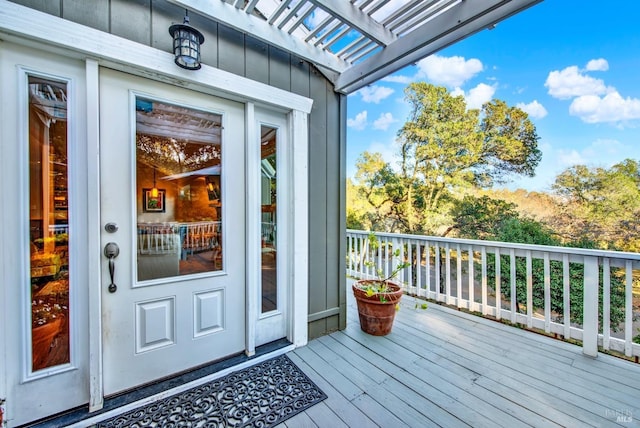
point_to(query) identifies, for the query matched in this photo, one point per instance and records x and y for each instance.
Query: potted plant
(378, 298)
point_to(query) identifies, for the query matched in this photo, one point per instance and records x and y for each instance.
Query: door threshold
(120, 403)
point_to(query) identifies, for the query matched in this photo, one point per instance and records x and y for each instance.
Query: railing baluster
(590, 307)
(392, 261)
(498, 285)
(606, 303)
(472, 286)
(628, 310)
(483, 280)
(529, 289)
(427, 268)
(447, 279)
(547, 293)
(409, 269)
(512, 279)
(437, 266)
(418, 268)
(566, 296)
(366, 255)
(382, 247)
(388, 247)
(349, 256)
(459, 276)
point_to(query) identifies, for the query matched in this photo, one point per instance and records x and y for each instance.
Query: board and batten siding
(147, 22)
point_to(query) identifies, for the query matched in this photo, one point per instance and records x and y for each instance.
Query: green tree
(446, 149)
(481, 218)
(600, 205)
(356, 208)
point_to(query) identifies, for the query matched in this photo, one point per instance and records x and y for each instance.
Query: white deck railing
(455, 271)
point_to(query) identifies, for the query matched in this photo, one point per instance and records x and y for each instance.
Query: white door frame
(27, 26)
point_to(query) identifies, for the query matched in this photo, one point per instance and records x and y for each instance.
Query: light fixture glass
(186, 44)
(154, 190)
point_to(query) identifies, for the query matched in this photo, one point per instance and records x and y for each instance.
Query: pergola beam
(451, 26)
(356, 19)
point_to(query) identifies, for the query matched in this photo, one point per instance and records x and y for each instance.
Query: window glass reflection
(268, 196)
(49, 223)
(178, 190)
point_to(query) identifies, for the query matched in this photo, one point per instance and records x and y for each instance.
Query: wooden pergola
(356, 42)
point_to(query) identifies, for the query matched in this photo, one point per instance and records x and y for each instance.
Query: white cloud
(600, 153)
(359, 122)
(570, 83)
(384, 121)
(593, 101)
(375, 94)
(477, 96)
(533, 109)
(599, 64)
(608, 150)
(610, 108)
(397, 78)
(449, 71)
(568, 158)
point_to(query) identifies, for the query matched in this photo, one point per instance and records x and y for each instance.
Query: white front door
(43, 249)
(173, 209)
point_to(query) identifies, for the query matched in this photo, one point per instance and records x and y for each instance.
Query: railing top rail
(517, 246)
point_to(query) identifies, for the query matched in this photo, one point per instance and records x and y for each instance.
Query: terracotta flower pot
(376, 313)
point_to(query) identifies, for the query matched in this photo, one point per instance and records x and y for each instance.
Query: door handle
(111, 251)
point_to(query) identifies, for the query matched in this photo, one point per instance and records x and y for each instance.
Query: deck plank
(323, 415)
(445, 394)
(582, 393)
(442, 367)
(337, 402)
(496, 382)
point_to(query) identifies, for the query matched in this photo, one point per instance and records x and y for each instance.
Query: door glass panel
(178, 174)
(268, 194)
(49, 223)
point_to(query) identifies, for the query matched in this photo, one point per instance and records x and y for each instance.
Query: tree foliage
(600, 205)
(445, 149)
(481, 217)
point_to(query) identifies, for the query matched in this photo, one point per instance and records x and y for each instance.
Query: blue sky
(573, 65)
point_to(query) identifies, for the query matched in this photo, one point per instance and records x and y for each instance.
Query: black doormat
(262, 395)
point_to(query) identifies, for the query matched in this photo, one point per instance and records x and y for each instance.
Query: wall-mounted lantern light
(186, 44)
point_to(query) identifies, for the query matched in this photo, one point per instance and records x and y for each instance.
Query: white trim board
(21, 23)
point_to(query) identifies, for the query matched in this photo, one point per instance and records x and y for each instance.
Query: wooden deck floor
(440, 367)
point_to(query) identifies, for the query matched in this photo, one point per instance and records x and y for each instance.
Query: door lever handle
(111, 251)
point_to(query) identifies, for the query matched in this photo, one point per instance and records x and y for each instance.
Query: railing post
(395, 243)
(590, 307)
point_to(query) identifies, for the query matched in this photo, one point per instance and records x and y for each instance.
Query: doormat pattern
(262, 395)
